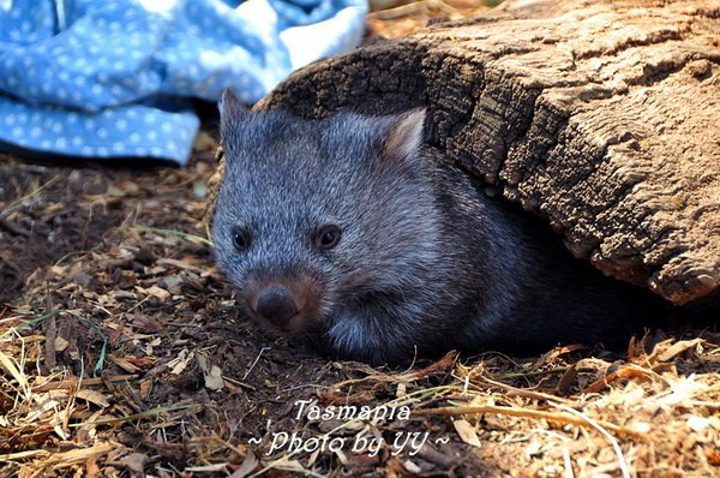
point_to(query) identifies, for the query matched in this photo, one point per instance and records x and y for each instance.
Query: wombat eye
(241, 239)
(327, 237)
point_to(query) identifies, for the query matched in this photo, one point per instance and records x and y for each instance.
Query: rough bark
(603, 117)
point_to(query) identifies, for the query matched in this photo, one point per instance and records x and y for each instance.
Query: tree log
(603, 117)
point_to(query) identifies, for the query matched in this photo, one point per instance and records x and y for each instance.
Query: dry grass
(654, 415)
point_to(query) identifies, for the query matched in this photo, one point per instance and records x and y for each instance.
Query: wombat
(351, 231)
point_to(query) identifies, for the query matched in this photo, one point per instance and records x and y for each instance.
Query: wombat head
(316, 220)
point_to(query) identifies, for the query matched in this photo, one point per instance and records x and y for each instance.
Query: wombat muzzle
(286, 302)
(277, 305)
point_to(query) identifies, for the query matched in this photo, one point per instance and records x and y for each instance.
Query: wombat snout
(276, 304)
(290, 306)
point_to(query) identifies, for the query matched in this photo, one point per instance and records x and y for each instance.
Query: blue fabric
(104, 78)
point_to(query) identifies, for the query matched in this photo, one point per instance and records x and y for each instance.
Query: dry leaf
(248, 466)
(467, 432)
(94, 397)
(158, 292)
(212, 373)
(677, 348)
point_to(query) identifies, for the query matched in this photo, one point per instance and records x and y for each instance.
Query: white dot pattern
(115, 78)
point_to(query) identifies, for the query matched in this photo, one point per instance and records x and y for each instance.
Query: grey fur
(426, 261)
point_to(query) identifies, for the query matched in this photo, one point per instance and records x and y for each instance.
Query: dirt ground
(122, 355)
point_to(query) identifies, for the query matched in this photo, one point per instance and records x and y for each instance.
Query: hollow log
(601, 116)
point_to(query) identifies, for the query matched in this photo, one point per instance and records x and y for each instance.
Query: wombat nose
(276, 304)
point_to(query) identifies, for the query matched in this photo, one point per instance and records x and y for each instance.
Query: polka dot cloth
(101, 78)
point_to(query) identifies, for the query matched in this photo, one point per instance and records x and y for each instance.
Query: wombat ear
(405, 135)
(231, 108)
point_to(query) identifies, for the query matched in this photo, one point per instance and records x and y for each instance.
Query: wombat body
(351, 231)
